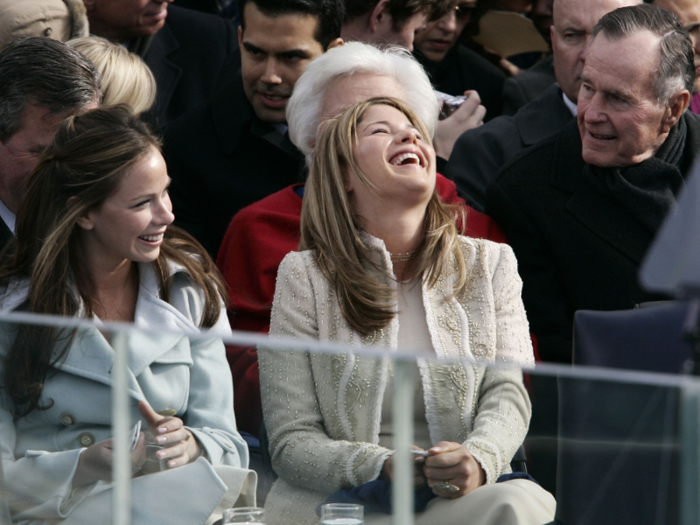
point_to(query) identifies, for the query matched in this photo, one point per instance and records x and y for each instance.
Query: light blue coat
(169, 370)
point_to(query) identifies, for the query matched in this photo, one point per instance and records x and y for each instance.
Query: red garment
(255, 243)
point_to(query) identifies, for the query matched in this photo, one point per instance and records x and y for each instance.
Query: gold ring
(444, 486)
(189, 435)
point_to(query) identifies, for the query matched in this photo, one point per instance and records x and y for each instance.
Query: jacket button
(86, 439)
(67, 420)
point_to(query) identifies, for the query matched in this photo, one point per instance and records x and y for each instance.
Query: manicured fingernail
(161, 439)
(172, 463)
(160, 454)
(436, 449)
(162, 430)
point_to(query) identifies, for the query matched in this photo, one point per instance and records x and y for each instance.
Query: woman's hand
(451, 464)
(468, 116)
(181, 446)
(387, 473)
(95, 463)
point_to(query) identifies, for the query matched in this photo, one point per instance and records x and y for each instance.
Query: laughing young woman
(381, 263)
(94, 241)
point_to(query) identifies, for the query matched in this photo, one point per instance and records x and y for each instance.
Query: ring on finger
(189, 436)
(446, 487)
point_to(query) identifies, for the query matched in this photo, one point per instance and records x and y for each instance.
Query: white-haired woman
(381, 263)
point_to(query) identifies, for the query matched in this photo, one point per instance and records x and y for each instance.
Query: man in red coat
(260, 235)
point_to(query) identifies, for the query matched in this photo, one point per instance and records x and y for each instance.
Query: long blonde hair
(331, 227)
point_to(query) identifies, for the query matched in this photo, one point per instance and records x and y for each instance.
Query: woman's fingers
(172, 432)
(176, 455)
(151, 416)
(452, 471)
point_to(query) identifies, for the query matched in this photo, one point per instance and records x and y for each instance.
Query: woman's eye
(379, 130)
(141, 204)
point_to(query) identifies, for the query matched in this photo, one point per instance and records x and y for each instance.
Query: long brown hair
(84, 165)
(330, 226)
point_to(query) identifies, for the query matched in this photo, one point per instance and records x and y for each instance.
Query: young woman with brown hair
(94, 240)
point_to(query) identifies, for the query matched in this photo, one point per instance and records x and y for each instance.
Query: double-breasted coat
(170, 370)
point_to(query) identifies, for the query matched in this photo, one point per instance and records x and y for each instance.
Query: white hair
(304, 106)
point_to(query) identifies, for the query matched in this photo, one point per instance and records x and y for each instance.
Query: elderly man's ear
(676, 106)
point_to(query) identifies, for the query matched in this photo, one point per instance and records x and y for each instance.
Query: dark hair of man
(47, 73)
(400, 10)
(89, 157)
(330, 14)
(676, 69)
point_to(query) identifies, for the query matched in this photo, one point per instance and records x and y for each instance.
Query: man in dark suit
(233, 150)
(528, 85)
(581, 208)
(480, 153)
(43, 83)
(185, 49)
(452, 67)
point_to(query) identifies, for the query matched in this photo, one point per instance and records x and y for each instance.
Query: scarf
(647, 190)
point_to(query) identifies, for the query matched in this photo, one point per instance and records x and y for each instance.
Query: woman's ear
(85, 220)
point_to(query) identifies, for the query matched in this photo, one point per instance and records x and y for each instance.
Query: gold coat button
(67, 420)
(86, 439)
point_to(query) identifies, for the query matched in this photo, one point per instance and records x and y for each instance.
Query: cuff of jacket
(488, 456)
(218, 447)
(56, 497)
(365, 463)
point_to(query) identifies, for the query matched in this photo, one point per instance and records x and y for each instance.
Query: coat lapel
(168, 73)
(152, 312)
(543, 117)
(92, 357)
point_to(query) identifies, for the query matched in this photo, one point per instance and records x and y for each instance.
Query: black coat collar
(233, 116)
(536, 120)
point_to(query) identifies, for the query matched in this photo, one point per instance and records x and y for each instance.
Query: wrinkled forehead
(630, 63)
(348, 90)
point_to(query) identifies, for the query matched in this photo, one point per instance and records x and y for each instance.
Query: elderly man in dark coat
(480, 153)
(581, 209)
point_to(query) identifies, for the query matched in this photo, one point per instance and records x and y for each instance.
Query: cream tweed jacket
(322, 412)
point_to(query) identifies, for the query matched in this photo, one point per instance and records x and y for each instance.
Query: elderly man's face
(688, 11)
(574, 21)
(619, 119)
(122, 20)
